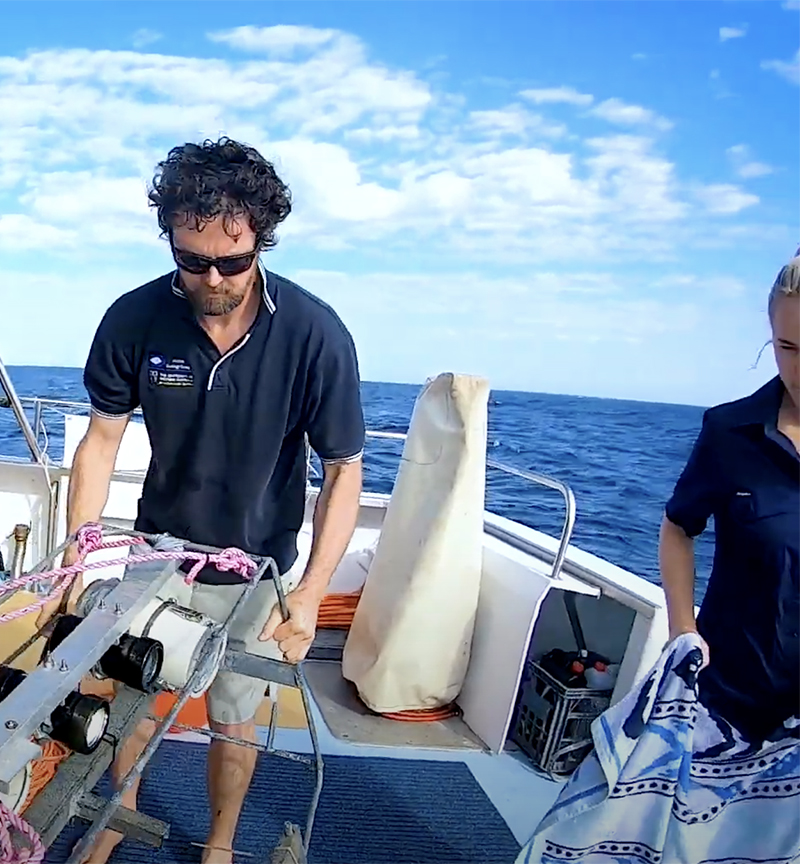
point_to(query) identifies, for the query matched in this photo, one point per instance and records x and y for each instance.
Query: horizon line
(418, 384)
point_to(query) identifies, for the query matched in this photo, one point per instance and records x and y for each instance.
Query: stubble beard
(218, 304)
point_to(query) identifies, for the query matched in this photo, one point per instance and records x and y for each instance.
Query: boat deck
(520, 793)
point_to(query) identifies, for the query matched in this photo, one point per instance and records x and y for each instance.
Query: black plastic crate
(553, 721)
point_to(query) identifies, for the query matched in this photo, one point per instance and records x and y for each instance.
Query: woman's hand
(676, 560)
(673, 634)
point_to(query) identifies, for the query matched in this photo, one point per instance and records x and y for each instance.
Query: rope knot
(235, 560)
(89, 538)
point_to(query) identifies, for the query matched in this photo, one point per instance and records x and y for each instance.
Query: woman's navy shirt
(746, 474)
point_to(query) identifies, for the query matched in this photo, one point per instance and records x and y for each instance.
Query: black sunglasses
(230, 265)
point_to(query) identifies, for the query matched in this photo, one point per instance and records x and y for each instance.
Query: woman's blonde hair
(787, 283)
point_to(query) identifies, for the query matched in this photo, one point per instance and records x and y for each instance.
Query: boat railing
(33, 433)
(10, 399)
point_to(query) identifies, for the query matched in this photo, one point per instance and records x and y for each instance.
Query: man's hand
(50, 608)
(335, 519)
(294, 637)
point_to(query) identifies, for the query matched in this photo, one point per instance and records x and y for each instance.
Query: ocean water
(620, 458)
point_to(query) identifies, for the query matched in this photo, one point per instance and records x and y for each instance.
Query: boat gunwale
(545, 548)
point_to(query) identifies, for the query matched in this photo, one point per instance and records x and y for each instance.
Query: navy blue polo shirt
(746, 473)
(228, 433)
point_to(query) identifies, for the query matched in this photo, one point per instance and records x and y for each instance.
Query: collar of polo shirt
(262, 271)
(762, 407)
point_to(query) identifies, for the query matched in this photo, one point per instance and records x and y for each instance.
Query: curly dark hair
(196, 183)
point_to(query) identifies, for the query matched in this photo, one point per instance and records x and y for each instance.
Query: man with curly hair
(235, 368)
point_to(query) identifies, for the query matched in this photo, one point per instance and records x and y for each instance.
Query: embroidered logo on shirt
(742, 506)
(172, 373)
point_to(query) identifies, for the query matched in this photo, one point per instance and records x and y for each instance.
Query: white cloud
(791, 5)
(788, 69)
(373, 155)
(516, 121)
(279, 39)
(705, 285)
(644, 182)
(623, 114)
(566, 331)
(61, 308)
(409, 132)
(725, 198)
(726, 33)
(82, 207)
(66, 197)
(745, 165)
(638, 56)
(552, 95)
(20, 232)
(569, 304)
(409, 192)
(145, 36)
(335, 185)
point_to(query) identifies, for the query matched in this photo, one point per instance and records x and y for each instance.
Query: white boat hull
(521, 614)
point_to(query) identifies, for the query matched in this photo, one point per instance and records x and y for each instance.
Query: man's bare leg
(230, 770)
(130, 751)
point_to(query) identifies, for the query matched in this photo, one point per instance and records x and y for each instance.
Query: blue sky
(575, 197)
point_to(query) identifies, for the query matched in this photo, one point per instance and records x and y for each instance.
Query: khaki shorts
(233, 698)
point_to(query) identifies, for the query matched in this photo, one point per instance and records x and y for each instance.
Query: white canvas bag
(409, 644)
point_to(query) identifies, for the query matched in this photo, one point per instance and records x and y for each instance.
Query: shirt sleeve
(334, 415)
(110, 375)
(696, 492)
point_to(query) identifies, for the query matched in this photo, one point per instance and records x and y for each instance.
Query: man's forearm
(676, 560)
(89, 483)
(90, 479)
(335, 518)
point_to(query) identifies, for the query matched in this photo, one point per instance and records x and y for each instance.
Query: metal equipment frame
(24, 710)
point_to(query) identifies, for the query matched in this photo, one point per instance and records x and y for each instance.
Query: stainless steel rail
(569, 505)
(531, 477)
(38, 404)
(15, 403)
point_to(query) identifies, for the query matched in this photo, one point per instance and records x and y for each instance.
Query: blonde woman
(745, 471)
(701, 762)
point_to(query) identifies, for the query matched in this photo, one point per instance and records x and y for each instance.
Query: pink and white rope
(90, 539)
(11, 853)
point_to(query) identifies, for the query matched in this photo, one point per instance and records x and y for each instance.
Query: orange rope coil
(336, 612)
(44, 768)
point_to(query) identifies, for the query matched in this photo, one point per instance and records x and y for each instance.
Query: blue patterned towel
(669, 783)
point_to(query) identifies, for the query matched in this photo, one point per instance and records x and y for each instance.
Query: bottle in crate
(554, 717)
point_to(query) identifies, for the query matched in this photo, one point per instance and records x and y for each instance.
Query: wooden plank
(130, 823)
